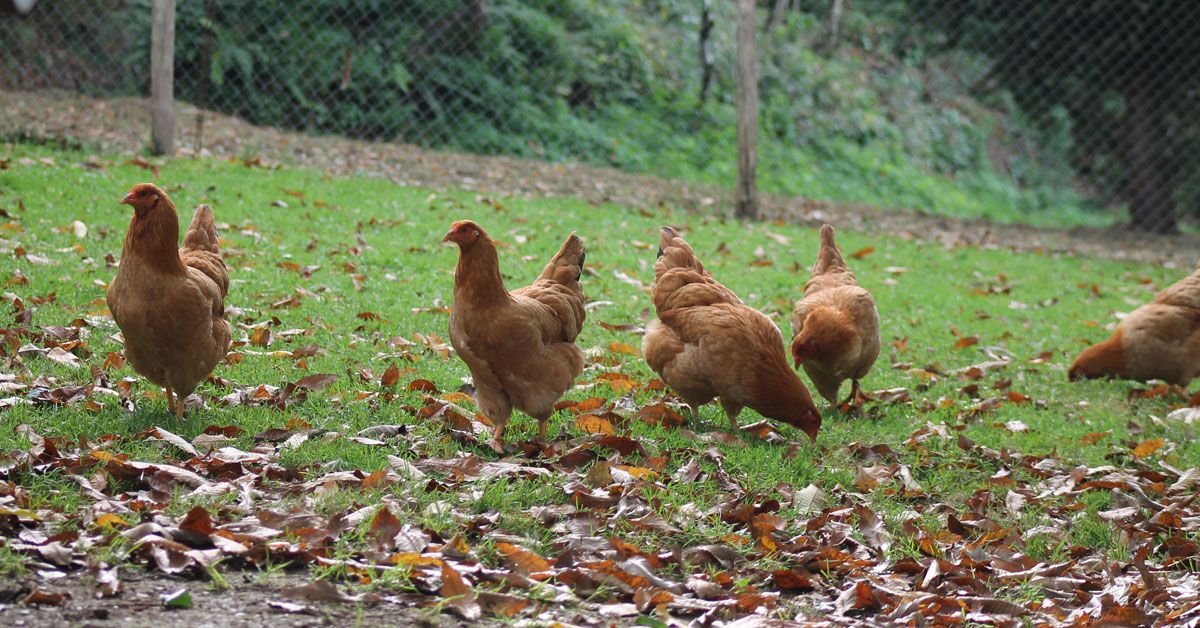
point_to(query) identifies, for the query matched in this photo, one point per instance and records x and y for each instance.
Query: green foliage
(887, 119)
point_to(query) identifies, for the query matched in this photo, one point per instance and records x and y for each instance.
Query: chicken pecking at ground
(706, 343)
(835, 326)
(519, 345)
(170, 302)
(1159, 340)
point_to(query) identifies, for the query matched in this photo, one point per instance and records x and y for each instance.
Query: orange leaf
(114, 360)
(1094, 437)
(593, 424)
(621, 347)
(109, 520)
(863, 252)
(619, 382)
(966, 341)
(260, 337)
(1016, 397)
(457, 397)
(1148, 447)
(521, 559)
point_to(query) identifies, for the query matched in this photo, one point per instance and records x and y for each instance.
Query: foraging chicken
(518, 345)
(1159, 340)
(706, 343)
(835, 326)
(169, 302)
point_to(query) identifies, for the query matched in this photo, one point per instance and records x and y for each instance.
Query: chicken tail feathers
(675, 252)
(200, 249)
(829, 257)
(567, 265)
(202, 232)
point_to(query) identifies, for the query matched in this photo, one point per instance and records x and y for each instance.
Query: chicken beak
(449, 237)
(128, 200)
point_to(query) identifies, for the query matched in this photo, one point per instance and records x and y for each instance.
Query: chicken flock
(519, 345)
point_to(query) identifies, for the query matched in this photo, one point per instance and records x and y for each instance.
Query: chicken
(1159, 340)
(519, 345)
(835, 326)
(169, 302)
(706, 343)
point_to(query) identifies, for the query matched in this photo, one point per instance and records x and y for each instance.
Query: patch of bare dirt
(252, 600)
(121, 125)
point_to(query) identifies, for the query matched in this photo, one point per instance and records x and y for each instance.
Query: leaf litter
(621, 553)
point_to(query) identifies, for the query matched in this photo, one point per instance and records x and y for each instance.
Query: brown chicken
(169, 302)
(518, 345)
(835, 326)
(706, 343)
(1159, 340)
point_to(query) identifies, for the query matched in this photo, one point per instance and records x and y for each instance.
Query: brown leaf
(966, 341)
(41, 597)
(659, 414)
(860, 597)
(423, 385)
(391, 376)
(316, 381)
(462, 596)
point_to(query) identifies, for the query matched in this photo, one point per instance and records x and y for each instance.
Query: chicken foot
(855, 400)
(497, 443)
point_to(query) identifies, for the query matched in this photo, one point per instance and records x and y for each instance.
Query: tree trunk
(1148, 178)
(776, 16)
(833, 30)
(162, 78)
(746, 197)
(706, 58)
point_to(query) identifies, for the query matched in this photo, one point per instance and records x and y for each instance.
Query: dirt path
(252, 600)
(120, 125)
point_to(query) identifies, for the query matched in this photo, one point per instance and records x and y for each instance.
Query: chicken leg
(856, 398)
(497, 443)
(732, 410)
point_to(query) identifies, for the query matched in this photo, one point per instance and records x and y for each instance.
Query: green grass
(378, 246)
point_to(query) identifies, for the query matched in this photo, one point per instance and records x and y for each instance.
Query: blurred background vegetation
(1068, 112)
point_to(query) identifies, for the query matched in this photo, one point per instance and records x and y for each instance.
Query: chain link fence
(1071, 112)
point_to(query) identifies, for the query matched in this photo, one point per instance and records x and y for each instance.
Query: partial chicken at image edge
(707, 344)
(1159, 340)
(835, 326)
(169, 302)
(518, 345)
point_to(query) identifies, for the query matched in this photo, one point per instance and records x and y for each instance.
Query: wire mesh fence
(1064, 112)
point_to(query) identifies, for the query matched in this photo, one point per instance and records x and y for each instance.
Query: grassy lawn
(349, 276)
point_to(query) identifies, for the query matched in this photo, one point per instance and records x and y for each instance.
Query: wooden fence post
(746, 198)
(162, 78)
